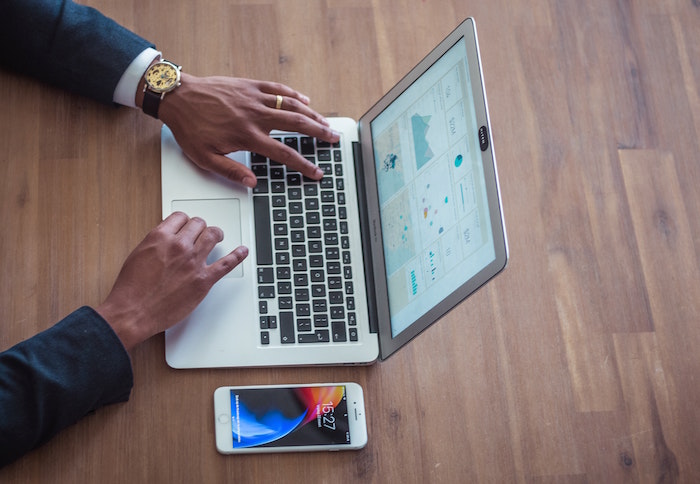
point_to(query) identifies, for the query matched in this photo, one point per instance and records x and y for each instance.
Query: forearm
(55, 378)
(72, 46)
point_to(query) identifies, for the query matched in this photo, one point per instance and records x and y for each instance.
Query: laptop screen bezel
(388, 344)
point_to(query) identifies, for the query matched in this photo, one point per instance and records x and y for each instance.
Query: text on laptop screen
(434, 212)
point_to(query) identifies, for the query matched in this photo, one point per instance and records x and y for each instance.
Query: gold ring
(279, 102)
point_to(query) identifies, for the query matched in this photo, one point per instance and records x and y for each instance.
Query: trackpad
(224, 213)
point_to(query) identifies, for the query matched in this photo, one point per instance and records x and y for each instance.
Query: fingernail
(318, 174)
(305, 99)
(249, 182)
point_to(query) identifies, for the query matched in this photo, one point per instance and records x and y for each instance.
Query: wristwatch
(161, 78)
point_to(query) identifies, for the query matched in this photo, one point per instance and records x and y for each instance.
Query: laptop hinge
(365, 231)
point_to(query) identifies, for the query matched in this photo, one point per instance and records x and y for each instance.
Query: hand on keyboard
(213, 116)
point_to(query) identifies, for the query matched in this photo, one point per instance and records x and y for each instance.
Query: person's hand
(213, 116)
(164, 279)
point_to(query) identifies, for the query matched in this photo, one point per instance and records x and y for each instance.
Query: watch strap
(151, 102)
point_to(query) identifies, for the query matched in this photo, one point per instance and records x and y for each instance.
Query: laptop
(405, 224)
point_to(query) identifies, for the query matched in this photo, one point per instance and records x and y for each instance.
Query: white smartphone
(290, 418)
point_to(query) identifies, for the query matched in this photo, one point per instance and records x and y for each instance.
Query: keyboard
(304, 274)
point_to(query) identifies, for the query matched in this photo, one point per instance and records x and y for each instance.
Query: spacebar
(263, 230)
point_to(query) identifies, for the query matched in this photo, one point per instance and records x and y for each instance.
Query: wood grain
(577, 364)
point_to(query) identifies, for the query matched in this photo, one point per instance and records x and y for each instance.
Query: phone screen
(279, 417)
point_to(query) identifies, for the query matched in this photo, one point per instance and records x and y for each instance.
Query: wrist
(123, 322)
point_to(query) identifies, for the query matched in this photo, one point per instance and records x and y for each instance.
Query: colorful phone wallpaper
(274, 417)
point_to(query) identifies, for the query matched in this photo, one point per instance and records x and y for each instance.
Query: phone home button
(223, 418)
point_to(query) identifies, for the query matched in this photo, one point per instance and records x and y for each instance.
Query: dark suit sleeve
(69, 45)
(55, 378)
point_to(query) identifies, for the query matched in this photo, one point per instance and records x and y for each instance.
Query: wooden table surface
(579, 363)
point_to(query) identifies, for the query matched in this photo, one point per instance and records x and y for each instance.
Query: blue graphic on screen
(273, 417)
(421, 147)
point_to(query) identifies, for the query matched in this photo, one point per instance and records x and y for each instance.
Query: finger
(294, 105)
(275, 88)
(292, 121)
(226, 167)
(173, 222)
(191, 230)
(228, 262)
(208, 238)
(282, 153)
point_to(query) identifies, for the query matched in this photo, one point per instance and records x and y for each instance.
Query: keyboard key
(321, 320)
(320, 336)
(281, 243)
(314, 232)
(263, 235)
(293, 143)
(304, 324)
(294, 193)
(265, 275)
(260, 170)
(303, 310)
(285, 303)
(307, 145)
(335, 297)
(313, 218)
(282, 258)
(318, 290)
(317, 275)
(264, 337)
(286, 327)
(320, 306)
(261, 186)
(266, 292)
(293, 179)
(338, 330)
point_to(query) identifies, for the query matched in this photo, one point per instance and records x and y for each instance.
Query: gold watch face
(163, 77)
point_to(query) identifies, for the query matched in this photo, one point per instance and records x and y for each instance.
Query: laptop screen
(437, 198)
(432, 194)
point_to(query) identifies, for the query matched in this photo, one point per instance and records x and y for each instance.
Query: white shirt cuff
(125, 92)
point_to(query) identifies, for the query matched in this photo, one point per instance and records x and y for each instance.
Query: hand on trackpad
(223, 213)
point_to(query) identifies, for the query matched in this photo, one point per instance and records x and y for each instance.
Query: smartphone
(290, 418)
